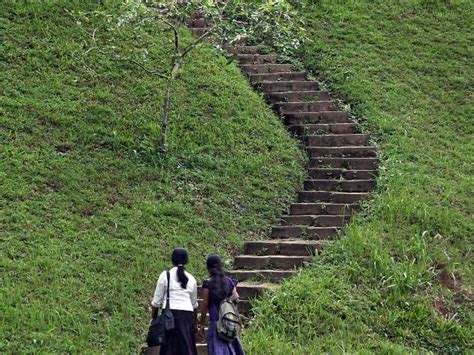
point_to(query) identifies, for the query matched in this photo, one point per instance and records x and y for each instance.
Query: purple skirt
(218, 346)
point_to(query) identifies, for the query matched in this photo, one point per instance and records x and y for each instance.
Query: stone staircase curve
(342, 172)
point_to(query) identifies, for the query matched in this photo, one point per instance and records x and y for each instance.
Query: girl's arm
(194, 301)
(235, 296)
(204, 310)
(158, 296)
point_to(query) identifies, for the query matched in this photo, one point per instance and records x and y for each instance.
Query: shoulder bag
(164, 322)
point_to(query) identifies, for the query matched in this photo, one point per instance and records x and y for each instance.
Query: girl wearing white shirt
(183, 304)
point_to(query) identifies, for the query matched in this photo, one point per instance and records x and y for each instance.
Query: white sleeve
(194, 295)
(159, 291)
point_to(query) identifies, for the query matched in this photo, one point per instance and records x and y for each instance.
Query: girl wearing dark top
(215, 289)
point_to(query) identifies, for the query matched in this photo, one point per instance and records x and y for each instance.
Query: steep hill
(90, 209)
(401, 277)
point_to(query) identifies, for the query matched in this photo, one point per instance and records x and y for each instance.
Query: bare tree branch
(114, 56)
(133, 61)
(176, 35)
(190, 47)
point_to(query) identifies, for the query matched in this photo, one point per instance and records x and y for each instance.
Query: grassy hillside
(90, 210)
(405, 69)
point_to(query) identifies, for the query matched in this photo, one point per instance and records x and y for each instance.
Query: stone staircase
(342, 171)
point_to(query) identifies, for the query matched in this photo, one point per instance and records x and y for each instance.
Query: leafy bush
(274, 24)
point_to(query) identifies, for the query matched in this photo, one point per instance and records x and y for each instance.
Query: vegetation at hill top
(89, 210)
(400, 279)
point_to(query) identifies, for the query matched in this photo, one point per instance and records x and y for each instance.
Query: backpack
(228, 325)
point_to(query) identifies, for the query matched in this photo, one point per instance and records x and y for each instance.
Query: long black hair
(180, 257)
(219, 287)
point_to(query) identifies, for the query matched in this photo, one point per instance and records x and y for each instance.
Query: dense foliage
(272, 24)
(401, 277)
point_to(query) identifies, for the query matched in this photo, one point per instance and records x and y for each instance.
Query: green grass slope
(89, 210)
(405, 68)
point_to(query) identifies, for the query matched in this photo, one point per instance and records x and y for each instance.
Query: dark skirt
(182, 339)
(218, 346)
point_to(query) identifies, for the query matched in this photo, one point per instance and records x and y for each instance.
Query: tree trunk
(167, 103)
(165, 117)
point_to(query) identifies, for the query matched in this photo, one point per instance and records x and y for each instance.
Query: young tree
(229, 21)
(174, 15)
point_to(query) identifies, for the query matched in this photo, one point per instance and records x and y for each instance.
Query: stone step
(339, 185)
(243, 306)
(243, 49)
(283, 86)
(198, 23)
(335, 140)
(196, 15)
(201, 349)
(283, 247)
(322, 209)
(283, 76)
(316, 221)
(198, 31)
(292, 118)
(256, 58)
(282, 262)
(333, 128)
(268, 275)
(312, 106)
(265, 68)
(345, 163)
(331, 196)
(315, 233)
(349, 152)
(248, 291)
(297, 96)
(342, 174)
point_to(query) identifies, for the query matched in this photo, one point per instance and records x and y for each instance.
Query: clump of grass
(404, 70)
(90, 210)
